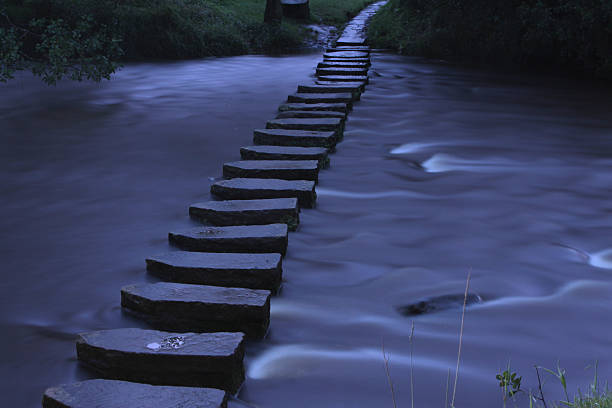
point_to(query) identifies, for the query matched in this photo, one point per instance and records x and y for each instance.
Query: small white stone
(154, 346)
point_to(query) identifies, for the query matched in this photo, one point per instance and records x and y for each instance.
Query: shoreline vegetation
(560, 36)
(86, 39)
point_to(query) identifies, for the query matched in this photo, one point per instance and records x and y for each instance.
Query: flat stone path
(249, 212)
(274, 169)
(343, 71)
(271, 238)
(222, 281)
(248, 189)
(163, 358)
(310, 114)
(123, 394)
(300, 138)
(316, 124)
(180, 307)
(354, 88)
(253, 271)
(300, 97)
(335, 107)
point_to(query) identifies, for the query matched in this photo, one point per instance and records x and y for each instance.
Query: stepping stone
(321, 98)
(363, 48)
(350, 42)
(302, 138)
(335, 107)
(122, 394)
(269, 238)
(318, 124)
(161, 358)
(347, 54)
(253, 271)
(342, 71)
(247, 189)
(348, 60)
(311, 114)
(330, 79)
(274, 169)
(180, 307)
(354, 88)
(342, 64)
(249, 212)
(286, 153)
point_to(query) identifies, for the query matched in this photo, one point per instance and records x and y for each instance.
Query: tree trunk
(274, 11)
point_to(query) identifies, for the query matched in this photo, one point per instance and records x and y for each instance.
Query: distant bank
(572, 36)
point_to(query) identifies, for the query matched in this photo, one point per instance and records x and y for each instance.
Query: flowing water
(443, 170)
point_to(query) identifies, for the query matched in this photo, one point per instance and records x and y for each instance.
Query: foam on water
(442, 162)
(289, 361)
(321, 191)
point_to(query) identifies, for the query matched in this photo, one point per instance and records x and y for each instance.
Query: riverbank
(567, 36)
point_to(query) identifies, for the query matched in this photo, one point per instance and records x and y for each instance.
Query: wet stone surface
(362, 48)
(343, 64)
(269, 238)
(321, 98)
(249, 212)
(332, 79)
(354, 88)
(347, 60)
(122, 394)
(254, 271)
(342, 71)
(310, 114)
(300, 138)
(316, 124)
(199, 308)
(248, 189)
(347, 54)
(336, 107)
(286, 153)
(438, 304)
(276, 169)
(202, 360)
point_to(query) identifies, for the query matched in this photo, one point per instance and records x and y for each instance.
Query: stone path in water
(216, 291)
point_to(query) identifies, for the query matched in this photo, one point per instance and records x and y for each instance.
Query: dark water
(443, 171)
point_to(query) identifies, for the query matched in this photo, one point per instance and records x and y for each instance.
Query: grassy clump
(572, 35)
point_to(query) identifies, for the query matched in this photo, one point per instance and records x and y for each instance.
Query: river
(444, 170)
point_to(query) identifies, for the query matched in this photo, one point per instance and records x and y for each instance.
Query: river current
(443, 171)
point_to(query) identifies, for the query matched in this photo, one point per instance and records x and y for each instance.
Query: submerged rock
(438, 303)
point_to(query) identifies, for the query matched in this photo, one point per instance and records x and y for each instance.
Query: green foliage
(573, 35)
(509, 382)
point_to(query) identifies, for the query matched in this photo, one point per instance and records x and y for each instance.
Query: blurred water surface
(443, 170)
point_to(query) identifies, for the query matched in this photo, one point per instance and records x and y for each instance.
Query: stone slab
(253, 271)
(180, 307)
(121, 394)
(317, 124)
(354, 88)
(270, 238)
(335, 107)
(276, 169)
(321, 98)
(333, 79)
(249, 212)
(311, 114)
(302, 138)
(350, 42)
(347, 54)
(343, 64)
(363, 48)
(320, 154)
(343, 71)
(161, 358)
(348, 60)
(248, 189)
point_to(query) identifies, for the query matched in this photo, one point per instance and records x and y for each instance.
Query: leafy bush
(573, 35)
